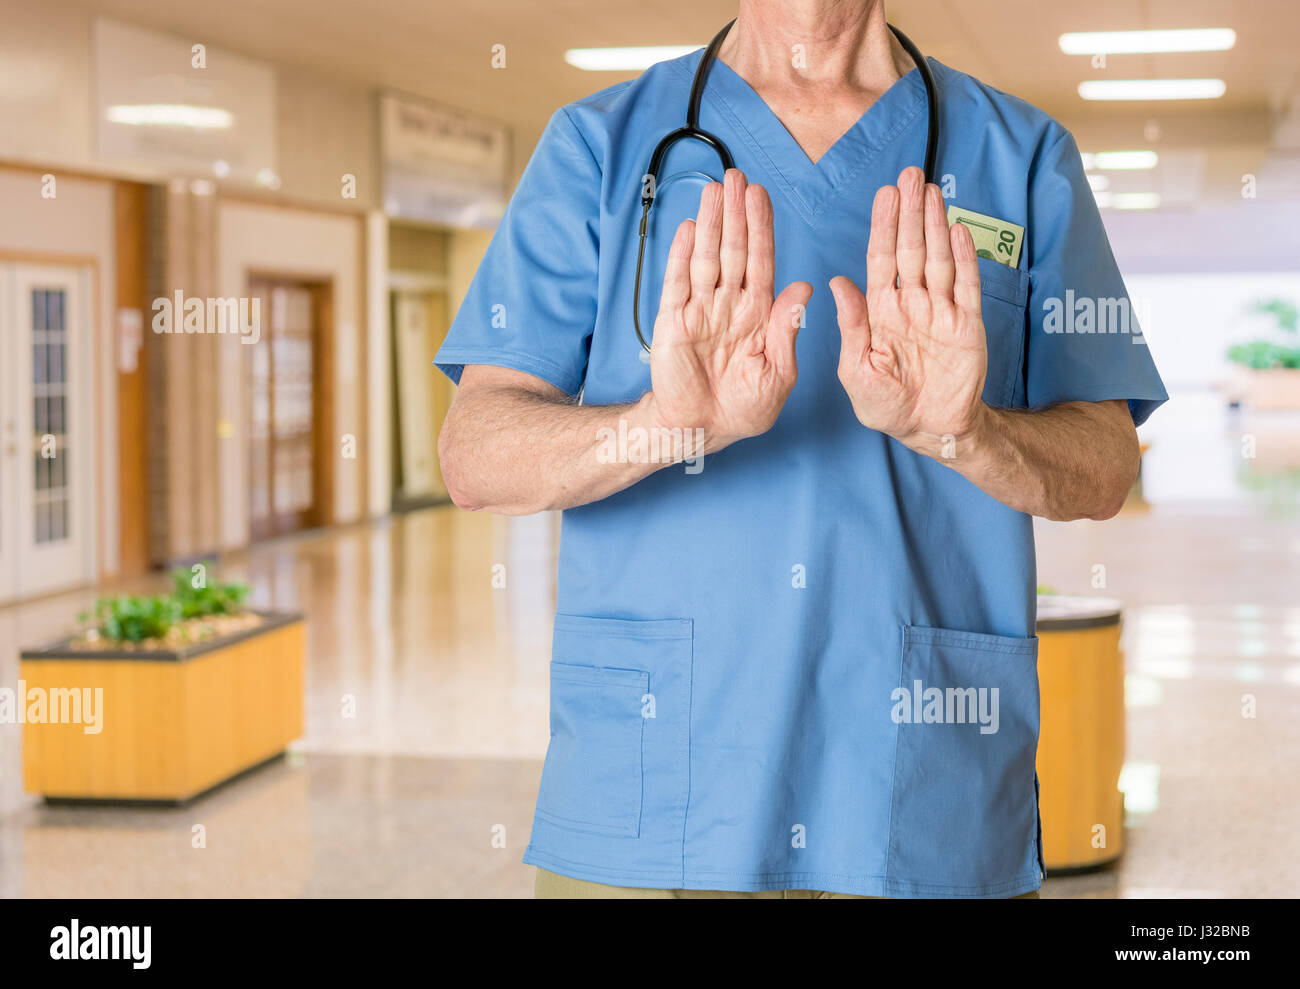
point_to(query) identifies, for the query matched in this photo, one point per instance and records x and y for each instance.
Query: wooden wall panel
(130, 234)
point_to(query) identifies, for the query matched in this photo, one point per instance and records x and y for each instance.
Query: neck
(815, 44)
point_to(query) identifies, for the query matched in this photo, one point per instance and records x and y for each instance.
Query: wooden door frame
(85, 271)
(321, 288)
(131, 272)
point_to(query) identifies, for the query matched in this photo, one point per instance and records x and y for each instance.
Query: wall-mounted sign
(441, 165)
(176, 106)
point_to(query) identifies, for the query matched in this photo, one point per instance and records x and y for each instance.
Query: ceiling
(441, 49)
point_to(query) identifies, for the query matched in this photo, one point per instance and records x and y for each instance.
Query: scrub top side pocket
(1004, 294)
(964, 820)
(620, 697)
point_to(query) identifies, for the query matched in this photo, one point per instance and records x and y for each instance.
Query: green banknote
(994, 239)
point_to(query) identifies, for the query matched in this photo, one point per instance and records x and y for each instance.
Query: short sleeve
(1085, 343)
(532, 303)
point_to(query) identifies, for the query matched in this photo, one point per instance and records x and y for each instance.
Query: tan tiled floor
(449, 676)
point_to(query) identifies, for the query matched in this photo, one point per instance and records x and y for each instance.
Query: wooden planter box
(1271, 390)
(174, 724)
(1081, 736)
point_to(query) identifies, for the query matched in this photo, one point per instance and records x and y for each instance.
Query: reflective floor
(427, 790)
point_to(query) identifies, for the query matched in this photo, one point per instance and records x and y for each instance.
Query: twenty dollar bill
(994, 239)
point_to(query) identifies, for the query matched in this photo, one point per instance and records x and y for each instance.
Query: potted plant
(161, 697)
(1268, 368)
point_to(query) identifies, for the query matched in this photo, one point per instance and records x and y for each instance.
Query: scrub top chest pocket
(1004, 293)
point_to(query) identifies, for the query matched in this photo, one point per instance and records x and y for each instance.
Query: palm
(912, 355)
(713, 367)
(723, 352)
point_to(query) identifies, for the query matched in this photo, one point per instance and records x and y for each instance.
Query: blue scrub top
(811, 664)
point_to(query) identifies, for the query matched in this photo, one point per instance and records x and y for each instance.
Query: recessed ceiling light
(1136, 200)
(624, 59)
(1143, 42)
(1152, 89)
(170, 115)
(1120, 161)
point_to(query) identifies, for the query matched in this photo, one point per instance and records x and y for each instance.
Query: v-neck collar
(810, 186)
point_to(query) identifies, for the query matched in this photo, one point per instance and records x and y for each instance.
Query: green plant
(133, 618)
(1286, 312)
(1262, 355)
(209, 598)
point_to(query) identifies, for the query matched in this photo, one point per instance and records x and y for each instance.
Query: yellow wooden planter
(171, 724)
(1081, 739)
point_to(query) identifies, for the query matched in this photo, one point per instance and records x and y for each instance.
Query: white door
(416, 417)
(45, 443)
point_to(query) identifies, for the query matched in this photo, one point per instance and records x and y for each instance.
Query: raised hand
(723, 354)
(912, 350)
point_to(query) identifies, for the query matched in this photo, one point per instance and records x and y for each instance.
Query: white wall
(254, 238)
(78, 222)
(45, 84)
(1193, 318)
(324, 127)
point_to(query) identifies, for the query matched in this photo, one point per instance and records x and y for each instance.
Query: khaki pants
(552, 886)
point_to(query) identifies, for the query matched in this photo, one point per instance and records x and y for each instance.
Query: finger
(783, 327)
(939, 271)
(708, 232)
(882, 255)
(760, 267)
(911, 228)
(677, 273)
(734, 233)
(851, 314)
(966, 289)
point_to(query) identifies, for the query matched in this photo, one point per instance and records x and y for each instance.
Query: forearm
(513, 451)
(1070, 461)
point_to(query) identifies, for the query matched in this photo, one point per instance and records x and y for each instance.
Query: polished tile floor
(428, 789)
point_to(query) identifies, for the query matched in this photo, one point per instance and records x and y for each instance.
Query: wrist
(963, 446)
(688, 441)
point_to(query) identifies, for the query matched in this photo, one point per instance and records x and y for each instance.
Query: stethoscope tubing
(693, 131)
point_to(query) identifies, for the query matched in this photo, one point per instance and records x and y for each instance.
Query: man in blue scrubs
(794, 647)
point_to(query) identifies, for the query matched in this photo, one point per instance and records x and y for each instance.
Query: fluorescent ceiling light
(1143, 42)
(1120, 161)
(171, 115)
(1104, 199)
(1152, 89)
(1099, 183)
(624, 59)
(1136, 200)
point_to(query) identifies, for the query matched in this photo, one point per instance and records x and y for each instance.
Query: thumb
(783, 324)
(851, 313)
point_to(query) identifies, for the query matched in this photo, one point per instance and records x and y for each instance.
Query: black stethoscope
(692, 131)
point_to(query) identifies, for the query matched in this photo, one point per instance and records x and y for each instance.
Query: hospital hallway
(496, 451)
(426, 703)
